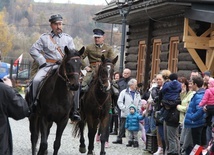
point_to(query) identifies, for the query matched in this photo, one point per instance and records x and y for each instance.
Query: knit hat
(173, 76)
(132, 106)
(211, 82)
(207, 73)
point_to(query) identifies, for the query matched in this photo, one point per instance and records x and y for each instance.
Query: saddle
(34, 101)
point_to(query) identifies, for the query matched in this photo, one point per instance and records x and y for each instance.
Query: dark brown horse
(55, 101)
(95, 106)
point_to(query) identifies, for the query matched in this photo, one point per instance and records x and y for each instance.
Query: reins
(64, 77)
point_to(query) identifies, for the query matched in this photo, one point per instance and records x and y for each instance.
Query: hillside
(27, 20)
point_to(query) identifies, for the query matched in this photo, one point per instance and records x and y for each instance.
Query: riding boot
(75, 116)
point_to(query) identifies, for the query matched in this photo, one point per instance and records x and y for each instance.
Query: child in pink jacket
(208, 98)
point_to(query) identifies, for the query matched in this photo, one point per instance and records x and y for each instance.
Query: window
(155, 57)
(173, 54)
(141, 61)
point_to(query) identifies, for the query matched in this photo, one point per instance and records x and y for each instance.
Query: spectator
(123, 82)
(195, 116)
(126, 98)
(12, 105)
(114, 120)
(154, 101)
(194, 73)
(171, 98)
(132, 125)
(186, 96)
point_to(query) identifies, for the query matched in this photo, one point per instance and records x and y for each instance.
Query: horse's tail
(77, 128)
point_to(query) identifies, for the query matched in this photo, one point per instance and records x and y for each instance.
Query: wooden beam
(207, 32)
(197, 59)
(202, 46)
(196, 42)
(194, 39)
(211, 61)
(191, 32)
(186, 25)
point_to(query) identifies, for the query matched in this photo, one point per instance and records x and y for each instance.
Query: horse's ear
(66, 50)
(115, 60)
(103, 58)
(81, 51)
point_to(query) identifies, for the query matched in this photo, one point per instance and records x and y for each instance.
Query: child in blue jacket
(132, 125)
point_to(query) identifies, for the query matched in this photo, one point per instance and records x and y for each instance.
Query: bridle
(65, 74)
(109, 79)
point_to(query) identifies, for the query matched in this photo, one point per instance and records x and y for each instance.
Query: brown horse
(55, 101)
(95, 106)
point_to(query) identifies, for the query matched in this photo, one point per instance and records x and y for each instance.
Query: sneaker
(107, 144)
(159, 151)
(98, 138)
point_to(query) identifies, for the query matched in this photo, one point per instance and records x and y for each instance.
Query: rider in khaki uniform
(94, 53)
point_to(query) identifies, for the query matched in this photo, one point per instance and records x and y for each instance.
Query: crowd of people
(178, 110)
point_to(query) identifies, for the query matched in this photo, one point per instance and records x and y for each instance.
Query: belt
(51, 61)
(95, 63)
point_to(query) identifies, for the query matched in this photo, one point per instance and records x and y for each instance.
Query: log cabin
(165, 34)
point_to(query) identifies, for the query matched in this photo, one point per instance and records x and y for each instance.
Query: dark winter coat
(195, 116)
(11, 105)
(123, 83)
(171, 90)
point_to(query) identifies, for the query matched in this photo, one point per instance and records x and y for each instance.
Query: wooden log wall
(163, 28)
(137, 32)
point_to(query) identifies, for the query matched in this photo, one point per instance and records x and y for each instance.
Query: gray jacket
(44, 48)
(125, 100)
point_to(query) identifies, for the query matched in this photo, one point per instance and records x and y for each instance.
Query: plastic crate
(151, 143)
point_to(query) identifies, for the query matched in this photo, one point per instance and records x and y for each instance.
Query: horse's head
(70, 67)
(105, 72)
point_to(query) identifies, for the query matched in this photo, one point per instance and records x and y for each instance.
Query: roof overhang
(141, 11)
(202, 10)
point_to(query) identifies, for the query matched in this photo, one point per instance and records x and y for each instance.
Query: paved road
(69, 144)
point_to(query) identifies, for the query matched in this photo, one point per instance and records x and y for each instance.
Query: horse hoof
(82, 150)
(91, 153)
(102, 153)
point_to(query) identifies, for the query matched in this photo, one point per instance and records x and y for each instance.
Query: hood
(175, 84)
(133, 106)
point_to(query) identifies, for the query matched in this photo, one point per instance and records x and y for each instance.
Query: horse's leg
(92, 129)
(105, 130)
(44, 133)
(82, 148)
(60, 128)
(34, 130)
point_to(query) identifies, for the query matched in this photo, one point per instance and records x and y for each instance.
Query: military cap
(98, 33)
(55, 18)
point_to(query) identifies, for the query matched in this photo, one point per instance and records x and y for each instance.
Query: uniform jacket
(195, 116)
(133, 120)
(125, 100)
(44, 48)
(94, 53)
(208, 98)
(11, 105)
(171, 90)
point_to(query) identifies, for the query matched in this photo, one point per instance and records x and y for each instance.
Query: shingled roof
(154, 9)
